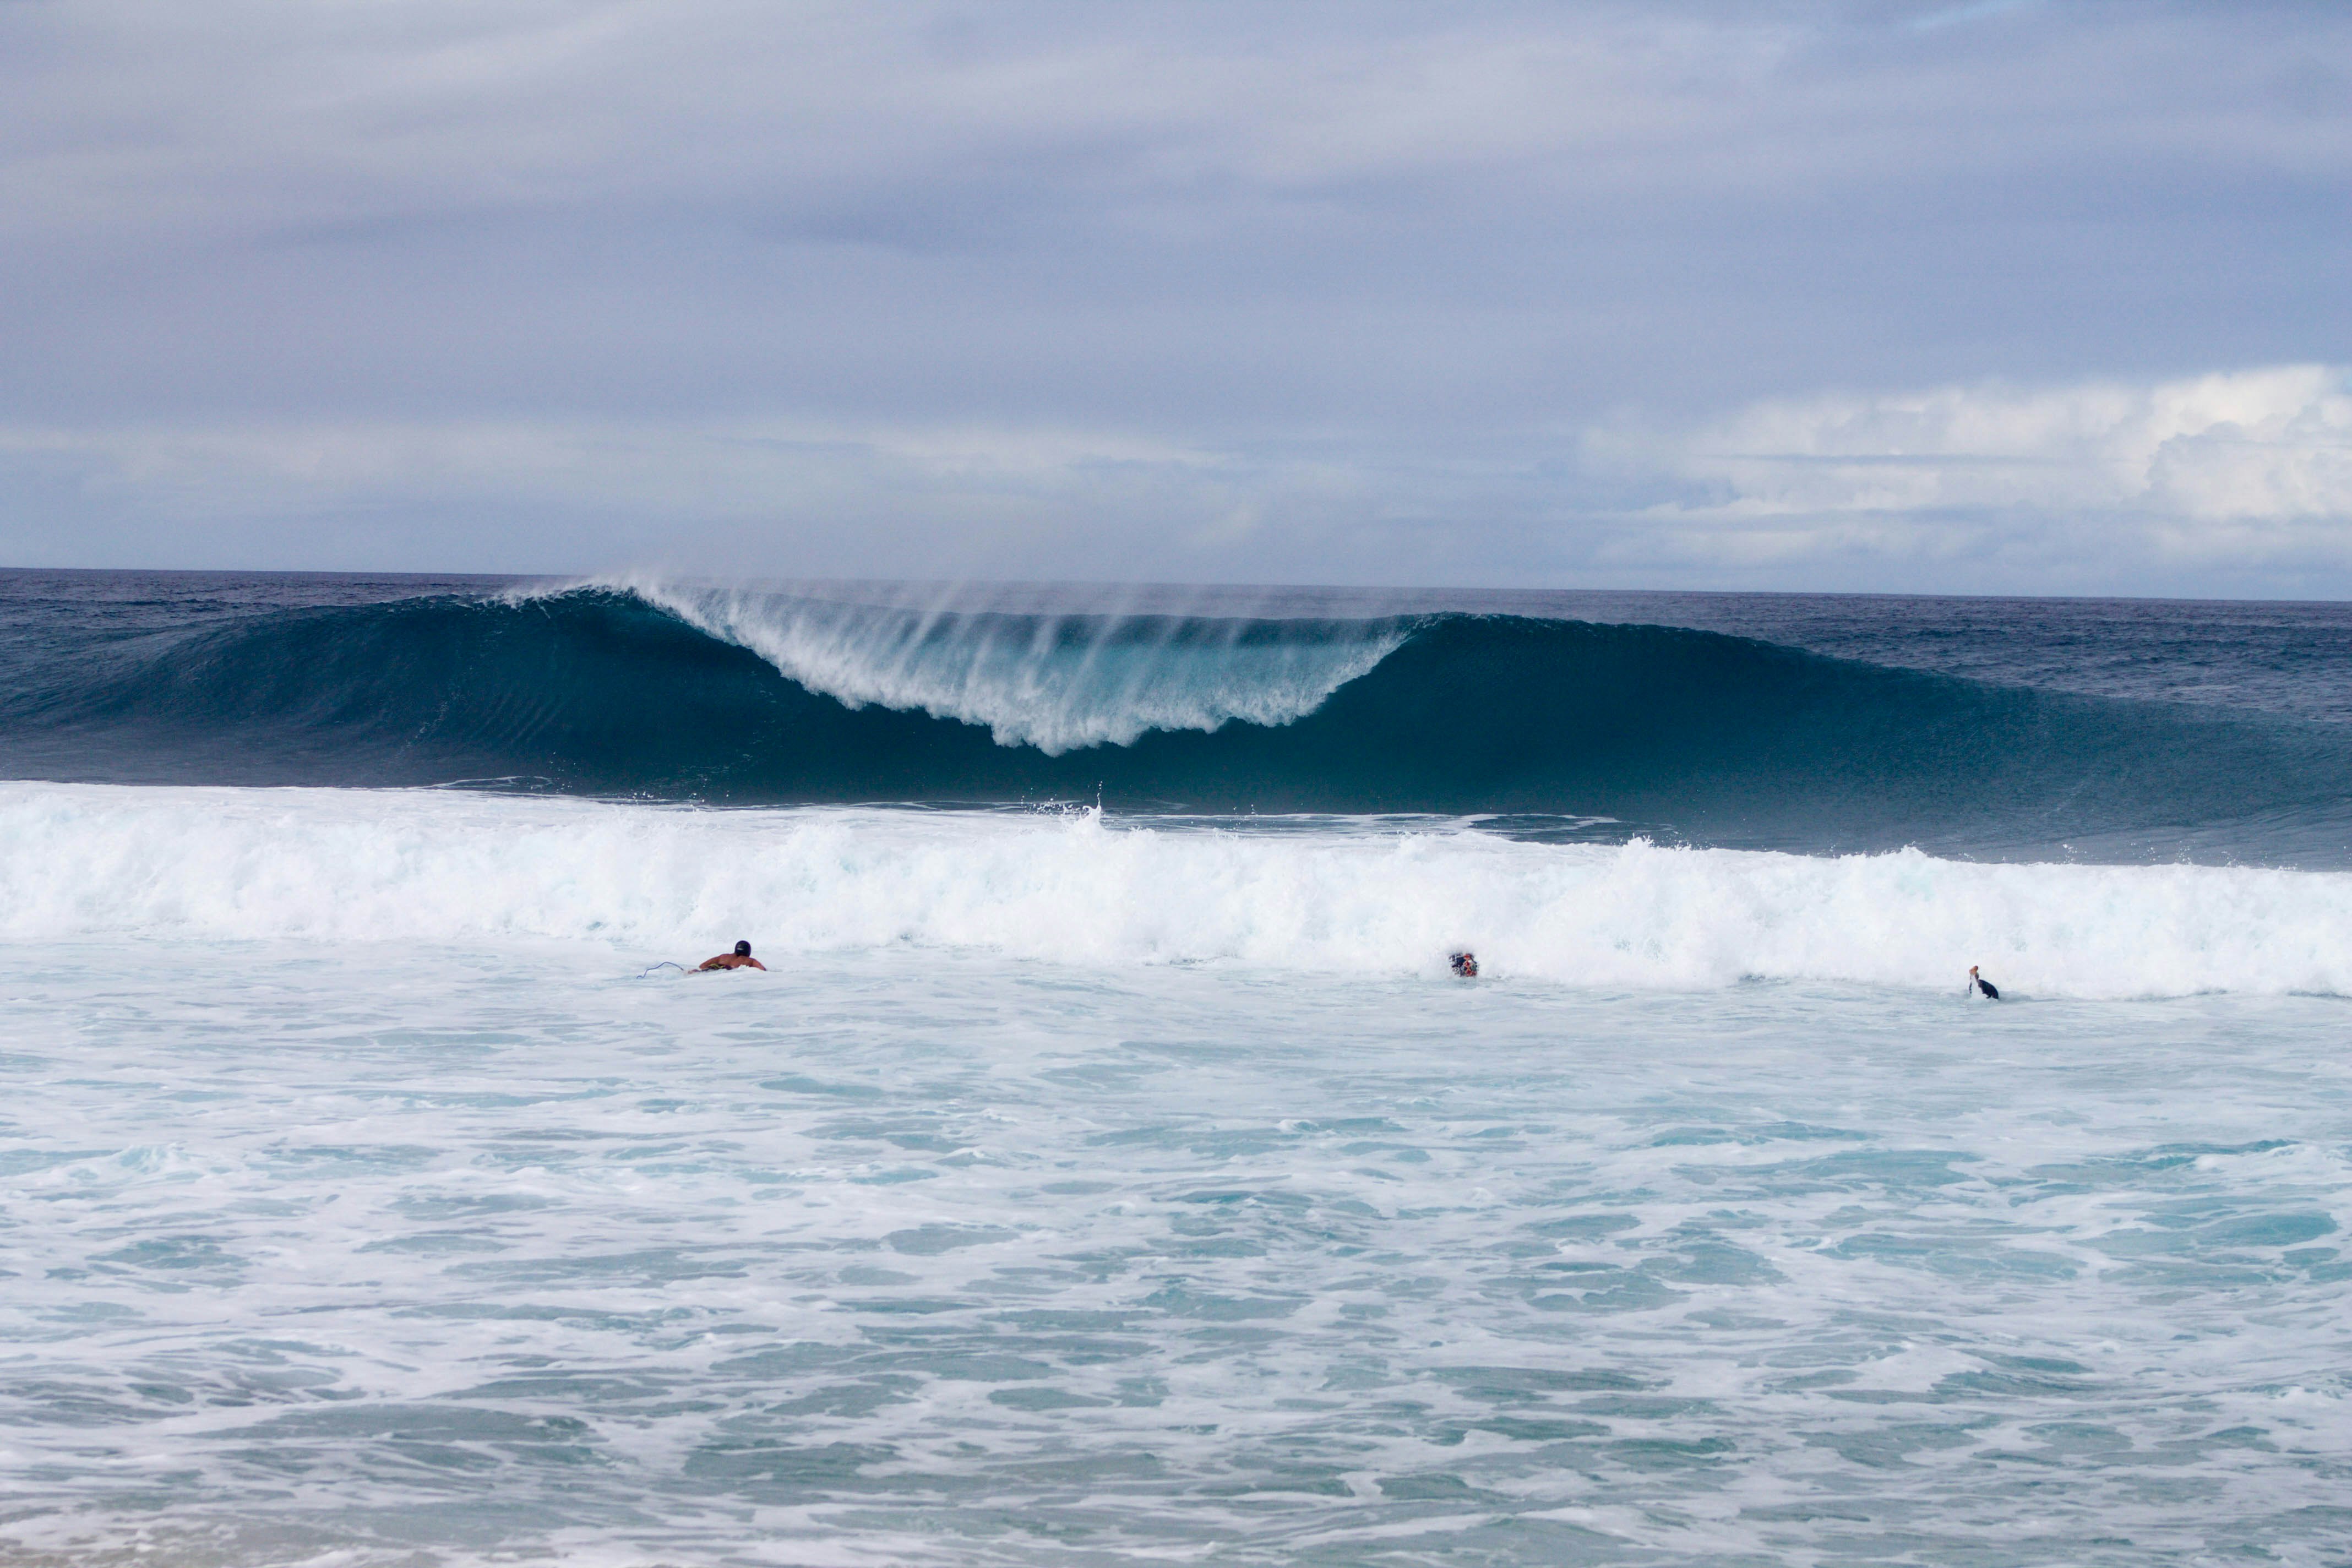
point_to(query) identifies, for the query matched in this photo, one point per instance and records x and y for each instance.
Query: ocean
(1107, 1168)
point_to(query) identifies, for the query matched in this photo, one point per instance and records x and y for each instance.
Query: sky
(2006, 297)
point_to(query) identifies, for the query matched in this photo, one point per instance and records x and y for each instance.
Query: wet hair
(743, 950)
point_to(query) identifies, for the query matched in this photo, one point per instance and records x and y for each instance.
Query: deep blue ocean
(1107, 1167)
(2098, 729)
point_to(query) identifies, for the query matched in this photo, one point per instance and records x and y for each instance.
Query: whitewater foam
(1057, 683)
(207, 864)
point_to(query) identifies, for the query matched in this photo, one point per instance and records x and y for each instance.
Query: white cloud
(2249, 464)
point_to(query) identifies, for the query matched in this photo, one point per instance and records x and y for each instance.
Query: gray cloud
(1361, 293)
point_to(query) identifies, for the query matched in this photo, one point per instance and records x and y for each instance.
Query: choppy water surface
(376, 1254)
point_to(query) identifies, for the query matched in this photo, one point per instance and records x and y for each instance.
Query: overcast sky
(2006, 295)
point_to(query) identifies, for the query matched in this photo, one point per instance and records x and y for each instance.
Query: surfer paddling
(1978, 982)
(740, 959)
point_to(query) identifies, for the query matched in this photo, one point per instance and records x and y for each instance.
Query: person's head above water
(743, 949)
(1465, 964)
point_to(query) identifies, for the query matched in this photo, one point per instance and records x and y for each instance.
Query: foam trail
(1057, 683)
(175, 863)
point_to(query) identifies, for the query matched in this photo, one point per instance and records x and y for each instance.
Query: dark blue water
(2121, 730)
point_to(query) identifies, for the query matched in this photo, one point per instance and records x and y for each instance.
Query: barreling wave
(1055, 682)
(658, 882)
(671, 694)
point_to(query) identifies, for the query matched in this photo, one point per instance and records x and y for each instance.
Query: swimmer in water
(740, 959)
(1991, 992)
(1465, 964)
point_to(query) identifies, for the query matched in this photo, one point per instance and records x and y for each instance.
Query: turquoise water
(1109, 1170)
(413, 1253)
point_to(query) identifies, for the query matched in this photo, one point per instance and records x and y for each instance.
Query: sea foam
(1329, 897)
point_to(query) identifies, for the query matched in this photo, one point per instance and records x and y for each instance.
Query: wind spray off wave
(1054, 682)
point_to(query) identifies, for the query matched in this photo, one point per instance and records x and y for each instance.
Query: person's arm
(712, 964)
(755, 963)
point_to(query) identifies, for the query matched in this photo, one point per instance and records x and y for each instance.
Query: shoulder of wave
(652, 587)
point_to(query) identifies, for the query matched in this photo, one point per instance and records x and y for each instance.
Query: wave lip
(1057, 683)
(172, 864)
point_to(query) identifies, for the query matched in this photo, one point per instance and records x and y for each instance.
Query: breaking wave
(659, 693)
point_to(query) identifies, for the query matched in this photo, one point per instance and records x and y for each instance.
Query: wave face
(674, 695)
(338, 866)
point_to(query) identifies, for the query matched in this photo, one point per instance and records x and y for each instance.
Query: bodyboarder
(740, 959)
(1978, 982)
